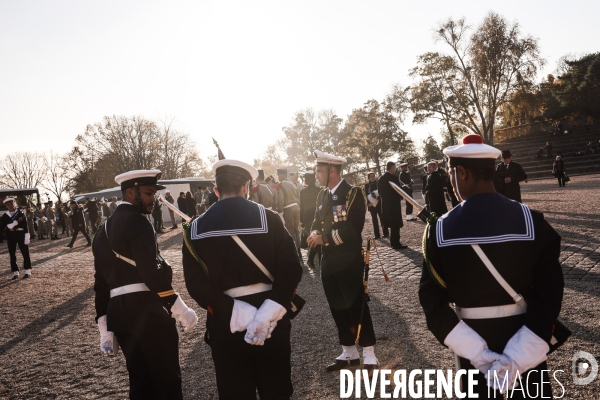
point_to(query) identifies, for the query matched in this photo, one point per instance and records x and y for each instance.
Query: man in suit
(434, 190)
(78, 222)
(508, 176)
(391, 210)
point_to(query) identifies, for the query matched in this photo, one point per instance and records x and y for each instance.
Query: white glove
(241, 316)
(523, 351)
(108, 341)
(27, 238)
(467, 343)
(184, 315)
(12, 225)
(264, 322)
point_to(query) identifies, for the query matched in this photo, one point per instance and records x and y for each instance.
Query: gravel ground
(49, 341)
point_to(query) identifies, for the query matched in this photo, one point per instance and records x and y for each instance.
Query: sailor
(491, 329)
(308, 206)
(14, 224)
(240, 265)
(406, 183)
(263, 193)
(288, 203)
(337, 228)
(136, 305)
(50, 215)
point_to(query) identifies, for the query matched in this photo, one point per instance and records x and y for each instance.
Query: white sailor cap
(472, 153)
(167, 191)
(324, 158)
(139, 177)
(6, 200)
(235, 166)
(402, 163)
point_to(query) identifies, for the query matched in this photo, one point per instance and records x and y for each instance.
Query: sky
(233, 70)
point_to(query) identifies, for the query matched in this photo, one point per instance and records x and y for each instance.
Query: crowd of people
(242, 264)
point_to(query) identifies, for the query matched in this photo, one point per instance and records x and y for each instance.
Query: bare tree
(22, 170)
(57, 180)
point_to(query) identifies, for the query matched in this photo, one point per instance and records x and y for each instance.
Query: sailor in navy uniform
(337, 228)
(240, 265)
(135, 302)
(489, 330)
(14, 224)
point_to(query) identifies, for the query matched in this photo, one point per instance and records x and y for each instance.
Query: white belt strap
(248, 290)
(492, 312)
(290, 205)
(134, 287)
(253, 257)
(517, 298)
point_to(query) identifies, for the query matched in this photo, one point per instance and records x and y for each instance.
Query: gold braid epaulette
(351, 196)
(432, 272)
(187, 239)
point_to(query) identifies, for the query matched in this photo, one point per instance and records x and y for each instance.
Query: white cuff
(526, 349)
(102, 325)
(465, 342)
(241, 316)
(270, 311)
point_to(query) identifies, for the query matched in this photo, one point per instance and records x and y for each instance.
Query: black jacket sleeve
(518, 175)
(441, 319)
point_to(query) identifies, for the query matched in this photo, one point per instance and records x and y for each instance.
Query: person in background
(374, 206)
(508, 176)
(190, 205)
(171, 200)
(434, 190)
(548, 149)
(78, 224)
(308, 207)
(212, 197)
(424, 182)
(30, 222)
(181, 203)
(60, 216)
(92, 208)
(391, 208)
(14, 223)
(113, 205)
(68, 219)
(559, 171)
(288, 198)
(406, 183)
(157, 216)
(50, 214)
(198, 196)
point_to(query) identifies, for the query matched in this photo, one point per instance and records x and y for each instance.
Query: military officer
(135, 301)
(240, 265)
(434, 190)
(308, 206)
(406, 183)
(50, 215)
(263, 193)
(288, 203)
(337, 228)
(14, 224)
(491, 329)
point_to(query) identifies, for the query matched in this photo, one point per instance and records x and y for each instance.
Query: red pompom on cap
(472, 138)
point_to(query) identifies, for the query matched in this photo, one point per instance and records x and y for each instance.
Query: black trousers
(532, 387)
(376, 213)
(14, 239)
(342, 279)
(409, 207)
(76, 231)
(561, 179)
(242, 369)
(152, 358)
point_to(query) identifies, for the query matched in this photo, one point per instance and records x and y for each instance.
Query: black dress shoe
(342, 364)
(69, 246)
(15, 277)
(26, 276)
(399, 247)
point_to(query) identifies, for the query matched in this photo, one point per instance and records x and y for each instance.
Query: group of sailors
(240, 264)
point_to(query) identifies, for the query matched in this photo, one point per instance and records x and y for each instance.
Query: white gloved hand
(12, 225)
(523, 351)
(467, 343)
(241, 316)
(184, 315)
(264, 322)
(27, 238)
(107, 338)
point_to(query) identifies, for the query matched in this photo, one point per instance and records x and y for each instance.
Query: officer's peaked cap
(139, 177)
(328, 159)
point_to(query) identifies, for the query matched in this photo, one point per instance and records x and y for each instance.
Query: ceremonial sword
(174, 209)
(423, 214)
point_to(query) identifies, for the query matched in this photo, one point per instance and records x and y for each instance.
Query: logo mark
(582, 367)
